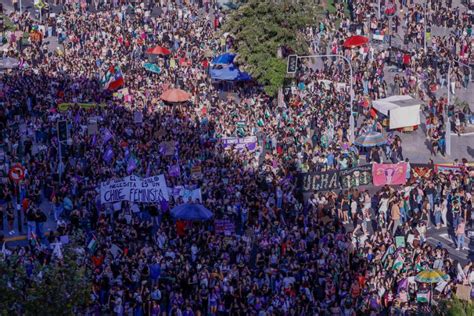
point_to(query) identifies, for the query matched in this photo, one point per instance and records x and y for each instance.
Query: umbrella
(191, 212)
(175, 95)
(431, 276)
(355, 41)
(223, 59)
(152, 67)
(158, 50)
(371, 139)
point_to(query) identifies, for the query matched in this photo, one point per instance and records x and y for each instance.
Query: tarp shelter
(229, 73)
(402, 110)
(224, 59)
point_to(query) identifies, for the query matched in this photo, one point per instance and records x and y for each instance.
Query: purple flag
(164, 205)
(94, 140)
(108, 155)
(107, 135)
(77, 118)
(174, 171)
(127, 153)
(132, 165)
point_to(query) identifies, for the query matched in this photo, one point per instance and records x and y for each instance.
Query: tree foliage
(61, 287)
(455, 307)
(260, 27)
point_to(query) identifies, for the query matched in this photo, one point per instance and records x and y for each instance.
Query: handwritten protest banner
(249, 142)
(322, 181)
(355, 177)
(389, 174)
(442, 168)
(135, 189)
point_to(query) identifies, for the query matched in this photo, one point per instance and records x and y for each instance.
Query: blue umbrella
(371, 139)
(224, 59)
(191, 212)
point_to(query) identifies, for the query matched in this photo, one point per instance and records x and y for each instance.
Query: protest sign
(249, 142)
(400, 241)
(356, 177)
(224, 226)
(421, 171)
(321, 181)
(463, 292)
(134, 189)
(389, 174)
(92, 127)
(138, 117)
(187, 194)
(167, 148)
(196, 172)
(442, 168)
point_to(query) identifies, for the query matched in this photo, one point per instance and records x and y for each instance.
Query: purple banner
(249, 142)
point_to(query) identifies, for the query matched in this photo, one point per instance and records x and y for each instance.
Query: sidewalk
(49, 225)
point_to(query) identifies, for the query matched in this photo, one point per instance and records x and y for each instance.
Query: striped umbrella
(431, 276)
(371, 139)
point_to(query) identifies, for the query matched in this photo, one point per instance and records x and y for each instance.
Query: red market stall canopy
(355, 41)
(175, 95)
(158, 50)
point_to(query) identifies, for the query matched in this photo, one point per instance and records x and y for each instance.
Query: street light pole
(351, 116)
(378, 12)
(447, 121)
(425, 19)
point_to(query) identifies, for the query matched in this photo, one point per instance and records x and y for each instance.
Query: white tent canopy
(402, 110)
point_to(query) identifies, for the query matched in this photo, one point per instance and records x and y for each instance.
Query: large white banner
(134, 189)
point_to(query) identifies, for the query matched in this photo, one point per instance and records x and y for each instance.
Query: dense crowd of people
(287, 255)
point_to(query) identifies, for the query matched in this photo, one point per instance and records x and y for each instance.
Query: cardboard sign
(463, 292)
(92, 127)
(138, 117)
(400, 241)
(196, 172)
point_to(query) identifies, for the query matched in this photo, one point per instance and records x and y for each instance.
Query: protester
(284, 253)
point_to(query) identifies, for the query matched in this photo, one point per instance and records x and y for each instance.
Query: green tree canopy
(61, 287)
(260, 27)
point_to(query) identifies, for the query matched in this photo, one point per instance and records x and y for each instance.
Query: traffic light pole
(351, 116)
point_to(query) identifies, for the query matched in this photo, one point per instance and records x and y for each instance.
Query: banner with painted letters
(135, 189)
(320, 181)
(355, 177)
(249, 142)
